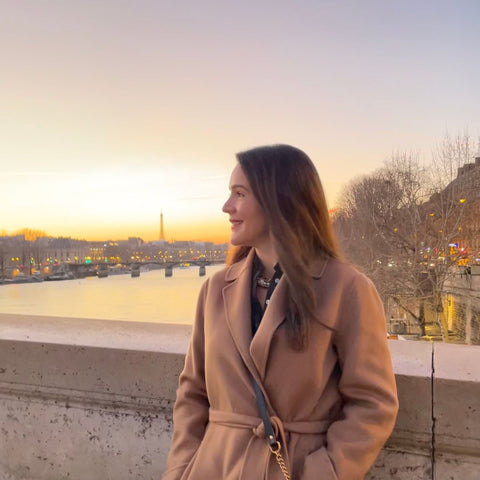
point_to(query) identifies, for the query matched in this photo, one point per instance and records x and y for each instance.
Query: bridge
(104, 269)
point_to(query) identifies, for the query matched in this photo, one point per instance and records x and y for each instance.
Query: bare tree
(402, 224)
(379, 226)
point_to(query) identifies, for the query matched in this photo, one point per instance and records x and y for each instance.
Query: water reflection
(149, 298)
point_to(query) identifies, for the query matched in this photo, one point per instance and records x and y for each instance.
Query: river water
(148, 298)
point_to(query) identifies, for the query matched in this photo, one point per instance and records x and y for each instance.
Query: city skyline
(31, 235)
(114, 111)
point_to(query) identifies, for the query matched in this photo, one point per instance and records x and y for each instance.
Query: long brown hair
(286, 184)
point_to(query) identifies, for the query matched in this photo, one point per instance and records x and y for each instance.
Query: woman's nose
(227, 206)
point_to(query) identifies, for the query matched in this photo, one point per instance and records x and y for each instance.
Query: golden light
(463, 200)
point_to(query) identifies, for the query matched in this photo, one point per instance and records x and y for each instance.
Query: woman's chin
(236, 241)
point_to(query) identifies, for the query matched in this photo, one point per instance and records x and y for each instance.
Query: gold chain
(280, 460)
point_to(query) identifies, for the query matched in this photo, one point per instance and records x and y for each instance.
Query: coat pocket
(189, 466)
(318, 465)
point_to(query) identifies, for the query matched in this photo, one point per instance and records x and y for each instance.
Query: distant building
(468, 180)
(466, 189)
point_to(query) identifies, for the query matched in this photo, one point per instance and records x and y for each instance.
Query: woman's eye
(239, 193)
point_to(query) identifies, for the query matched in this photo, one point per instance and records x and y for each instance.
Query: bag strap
(262, 408)
(273, 443)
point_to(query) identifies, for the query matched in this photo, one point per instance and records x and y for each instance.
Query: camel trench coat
(333, 404)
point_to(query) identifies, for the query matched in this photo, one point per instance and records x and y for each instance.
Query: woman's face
(249, 224)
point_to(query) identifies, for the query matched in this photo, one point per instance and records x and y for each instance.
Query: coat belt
(254, 457)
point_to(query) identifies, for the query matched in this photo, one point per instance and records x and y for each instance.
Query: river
(148, 298)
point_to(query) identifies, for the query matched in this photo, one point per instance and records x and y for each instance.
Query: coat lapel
(236, 299)
(272, 318)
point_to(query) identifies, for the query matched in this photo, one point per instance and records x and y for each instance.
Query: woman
(289, 316)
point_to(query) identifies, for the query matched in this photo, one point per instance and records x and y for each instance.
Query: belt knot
(259, 430)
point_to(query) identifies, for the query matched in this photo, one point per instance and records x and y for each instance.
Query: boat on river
(59, 276)
(21, 278)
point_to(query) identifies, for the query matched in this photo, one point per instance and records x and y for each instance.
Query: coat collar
(317, 267)
(236, 297)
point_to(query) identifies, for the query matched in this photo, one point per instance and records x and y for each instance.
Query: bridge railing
(91, 399)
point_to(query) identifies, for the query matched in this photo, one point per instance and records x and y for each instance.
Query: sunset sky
(111, 110)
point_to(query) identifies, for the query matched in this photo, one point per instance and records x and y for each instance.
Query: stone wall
(462, 305)
(90, 399)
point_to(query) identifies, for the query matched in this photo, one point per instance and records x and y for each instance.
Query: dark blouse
(257, 309)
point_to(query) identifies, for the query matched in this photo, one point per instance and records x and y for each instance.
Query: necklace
(263, 282)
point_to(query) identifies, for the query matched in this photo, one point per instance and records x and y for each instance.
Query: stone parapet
(86, 399)
(92, 399)
(456, 396)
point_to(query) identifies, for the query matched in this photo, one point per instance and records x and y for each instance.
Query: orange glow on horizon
(207, 230)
